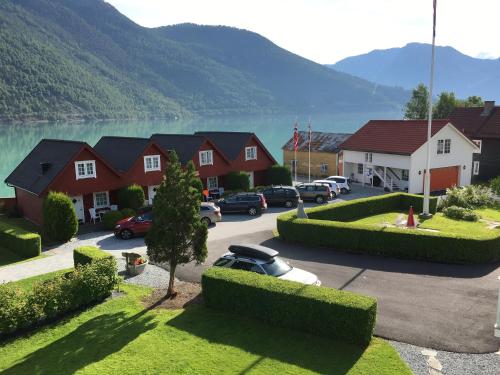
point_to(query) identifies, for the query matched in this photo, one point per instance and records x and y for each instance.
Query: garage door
(443, 178)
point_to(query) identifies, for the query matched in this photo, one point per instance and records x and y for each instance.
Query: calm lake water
(16, 141)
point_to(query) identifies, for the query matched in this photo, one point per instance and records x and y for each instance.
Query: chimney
(488, 107)
(44, 166)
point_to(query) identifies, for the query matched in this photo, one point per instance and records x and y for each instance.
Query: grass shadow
(306, 351)
(90, 342)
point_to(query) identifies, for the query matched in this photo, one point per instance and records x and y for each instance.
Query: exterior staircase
(391, 179)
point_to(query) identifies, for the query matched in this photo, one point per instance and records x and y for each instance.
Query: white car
(334, 187)
(265, 261)
(343, 182)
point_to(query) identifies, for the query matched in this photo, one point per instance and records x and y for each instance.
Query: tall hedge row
(25, 308)
(131, 197)
(279, 175)
(321, 311)
(19, 241)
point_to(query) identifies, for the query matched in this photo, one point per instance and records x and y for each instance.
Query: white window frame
(362, 168)
(324, 167)
(251, 153)
(475, 168)
(405, 174)
(479, 143)
(209, 157)
(95, 199)
(152, 158)
(212, 186)
(368, 157)
(447, 142)
(440, 147)
(85, 164)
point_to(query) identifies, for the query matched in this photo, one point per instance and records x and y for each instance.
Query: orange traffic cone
(410, 223)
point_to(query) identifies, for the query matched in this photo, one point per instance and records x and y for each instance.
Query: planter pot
(135, 270)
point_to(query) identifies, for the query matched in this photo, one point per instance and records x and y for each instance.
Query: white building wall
(461, 152)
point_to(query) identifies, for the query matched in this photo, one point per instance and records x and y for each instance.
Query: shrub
(460, 213)
(472, 196)
(322, 311)
(127, 212)
(21, 309)
(131, 197)
(19, 241)
(59, 217)
(495, 185)
(87, 254)
(239, 181)
(110, 219)
(279, 175)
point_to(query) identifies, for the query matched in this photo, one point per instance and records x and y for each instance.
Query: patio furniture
(135, 264)
(93, 215)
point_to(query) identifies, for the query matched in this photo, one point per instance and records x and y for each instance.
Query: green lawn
(490, 213)
(438, 222)
(7, 257)
(121, 337)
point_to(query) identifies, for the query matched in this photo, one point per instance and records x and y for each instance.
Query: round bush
(110, 219)
(59, 217)
(460, 213)
(127, 212)
(472, 196)
(131, 197)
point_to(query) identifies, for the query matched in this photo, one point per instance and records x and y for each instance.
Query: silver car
(210, 213)
(265, 261)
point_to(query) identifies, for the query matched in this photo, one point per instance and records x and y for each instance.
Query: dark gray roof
(185, 145)
(121, 152)
(320, 141)
(230, 143)
(55, 153)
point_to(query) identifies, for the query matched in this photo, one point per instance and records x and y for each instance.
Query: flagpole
(427, 174)
(310, 149)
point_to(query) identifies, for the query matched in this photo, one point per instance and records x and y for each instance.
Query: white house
(392, 154)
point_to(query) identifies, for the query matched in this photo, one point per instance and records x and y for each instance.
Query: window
(360, 168)
(152, 163)
(368, 157)
(206, 158)
(405, 175)
(475, 168)
(479, 143)
(324, 168)
(443, 146)
(251, 153)
(212, 183)
(447, 146)
(101, 199)
(85, 169)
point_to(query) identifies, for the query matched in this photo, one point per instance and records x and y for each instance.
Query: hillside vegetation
(63, 59)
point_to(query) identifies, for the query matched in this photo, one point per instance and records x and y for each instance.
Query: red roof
(401, 137)
(475, 125)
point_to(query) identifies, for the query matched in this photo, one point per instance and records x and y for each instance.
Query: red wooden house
(68, 166)
(245, 152)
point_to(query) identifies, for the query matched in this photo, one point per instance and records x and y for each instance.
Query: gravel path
(152, 276)
(447, 363)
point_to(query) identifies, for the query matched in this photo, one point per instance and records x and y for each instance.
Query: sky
(326, 31)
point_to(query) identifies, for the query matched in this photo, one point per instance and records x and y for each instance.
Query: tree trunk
(171, 289)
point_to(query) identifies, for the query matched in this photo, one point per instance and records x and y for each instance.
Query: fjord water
(17, 140)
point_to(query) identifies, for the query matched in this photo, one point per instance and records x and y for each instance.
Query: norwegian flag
(296, 137)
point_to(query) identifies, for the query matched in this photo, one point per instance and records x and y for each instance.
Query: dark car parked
(251, 203)
(286, 196)
(319, 193)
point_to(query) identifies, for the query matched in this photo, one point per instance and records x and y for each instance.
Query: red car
(134, 226)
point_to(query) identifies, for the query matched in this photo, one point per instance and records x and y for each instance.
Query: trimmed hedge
(237, 181)
(131, 197)
(87, 254)
(279, 175)
(59, 217)
(333, 313)
(19, 241)
(21, 309)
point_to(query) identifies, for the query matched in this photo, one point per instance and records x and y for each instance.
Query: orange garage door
(442, 178)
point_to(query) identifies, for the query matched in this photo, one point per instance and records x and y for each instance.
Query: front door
(78, 203)
(152, 193)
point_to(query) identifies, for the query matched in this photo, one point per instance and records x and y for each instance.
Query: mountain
(63, 59)
(410, 65)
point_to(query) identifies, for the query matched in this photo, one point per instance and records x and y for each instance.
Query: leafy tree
(446, 103)
(59, 217)
(472, 101)
(177, 234)
(417, 107)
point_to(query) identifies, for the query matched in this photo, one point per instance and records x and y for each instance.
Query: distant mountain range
(410, 65)
(62, 59)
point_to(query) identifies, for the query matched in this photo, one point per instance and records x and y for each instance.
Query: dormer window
(152, 163)
(251, 153)
(206, 158)
(85, 169)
